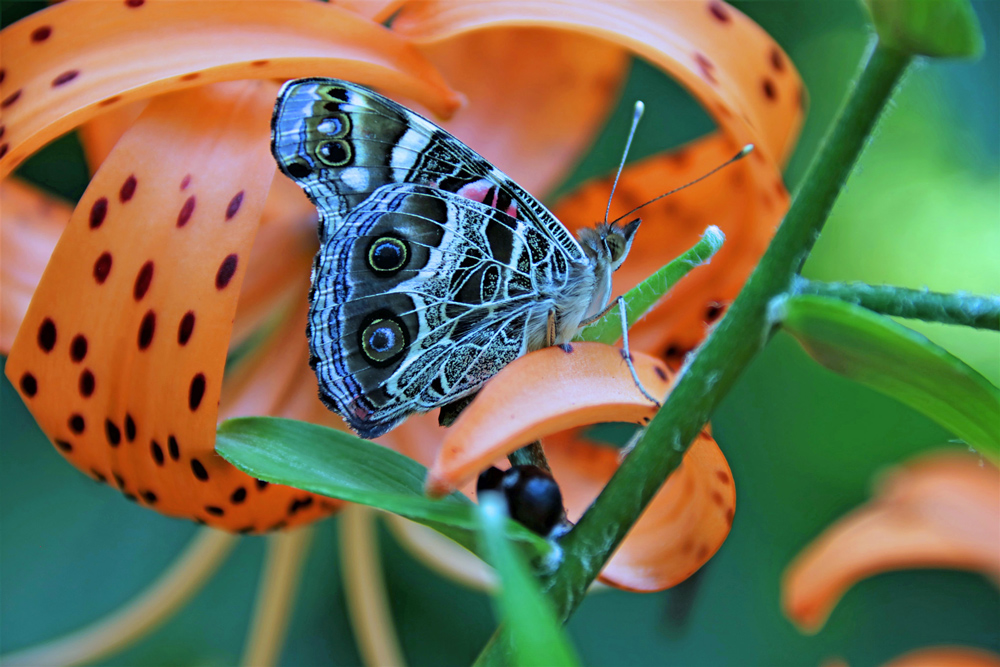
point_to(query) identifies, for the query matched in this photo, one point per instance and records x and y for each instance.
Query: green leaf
(341, 465)
(644, 296)
(936, 28)
(536, 635)
(899, 362)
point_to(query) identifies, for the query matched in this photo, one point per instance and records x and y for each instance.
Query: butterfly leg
(550, 334)
(627, 356)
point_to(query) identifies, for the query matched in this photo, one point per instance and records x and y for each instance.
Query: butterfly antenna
(636, 115)
(739, 156)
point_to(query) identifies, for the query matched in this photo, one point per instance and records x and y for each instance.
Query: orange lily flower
(182, 248)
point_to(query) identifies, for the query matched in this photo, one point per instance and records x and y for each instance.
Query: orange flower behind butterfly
(183, 246)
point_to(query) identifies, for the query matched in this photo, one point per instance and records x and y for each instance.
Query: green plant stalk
(727, 351)
(970, 310)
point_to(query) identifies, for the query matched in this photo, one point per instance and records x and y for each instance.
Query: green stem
(981, 312)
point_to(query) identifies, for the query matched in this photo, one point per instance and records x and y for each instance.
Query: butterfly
(435, 270)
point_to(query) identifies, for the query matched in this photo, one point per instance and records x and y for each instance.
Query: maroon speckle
(127, 189)
(142, 281)
(65, 77)
(78, 348)
(702, 553)
(41, 34)
(102, 267)
(197, 391)
(729, 516)
(719, 11)
(2, 130)
(712, 312)
(186, 210)
(98, 475)
(261, 484)
(186, 328)
(10, 99)
(770, 92)
(226, 271)
(185, 182)
(259, 63)
(215, 511)
(238, 496)
(706, 66)
(3, 149)
(777, 60)
(3, 74)
(63, 445)
(47, 335)
(660, 373)
(149, 497)
(87, 383)
(98, 211)
(723, 476)
(109, 101)
(199, 470)
(76, 423)
(146, 330)
(234, 205)
(134, 3)
(130, 429)
(156, 451)
(190, 77)
(112, 432)
(119, 480)
(717, 498)
(173, 448)
(29, 385)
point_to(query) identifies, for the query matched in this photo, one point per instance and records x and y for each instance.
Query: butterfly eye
(387, 254)
(334, 153)
(382, 340)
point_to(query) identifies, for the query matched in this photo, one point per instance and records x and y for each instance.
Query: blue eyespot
(382, 340)
(387, 254)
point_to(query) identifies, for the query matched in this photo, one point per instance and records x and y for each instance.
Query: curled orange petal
(68, 63)
(121, 353)
(30, 224)
(535, 98)
(544, 392)
(938, 511)
(684, 525)
(100, 134)
(946, 656)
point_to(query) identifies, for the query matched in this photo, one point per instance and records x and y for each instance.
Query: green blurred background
(923, 209)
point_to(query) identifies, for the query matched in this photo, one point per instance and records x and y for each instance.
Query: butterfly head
(607, 244)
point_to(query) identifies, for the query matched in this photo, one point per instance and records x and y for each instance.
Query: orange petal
(57, 76)
(684, 525)
(947, 656)
(533, 122)
(30, 224)
(376, 10)
(544, 392)
(732, 199)
(938, 511)
(121, 354)
(99, 135)
(741, 76)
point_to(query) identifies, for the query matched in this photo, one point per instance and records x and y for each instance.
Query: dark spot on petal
(47, 335)
(239, 495)
(156, 451)
(78, 348)
(98, 475)
(41, 34)
(719, 11)
(713, 311)
(770, 92)
(215, 511)
(723, 476)
(102, 267)
(10, 99)
(29, 385)
(777, 60)
(185, 328)
(3, 129)
(299, 504)
(261, 484)
(234, 205)
(112, 432)
(109, 101)
(134, 3)
(191, 77)
(130, 497)
(142, 281)
(146, 329)
(87, 383)
(186, 210)
(717, 498)
(244, 530)
(119, 480)
(63, 445)
(729, 516)
(199, 470)
(175, 451)
(3, 74)
(149, 497)
(77, 424)
(226, 271)
(65, 77)
(129, 428)
(702, 553)
(259, 63)
(3, 149)
(185, 182)
(197, 391)
(660, 373)
(98, 211)
(706, 66)
(128, 189)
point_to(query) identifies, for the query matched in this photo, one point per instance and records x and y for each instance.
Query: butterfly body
(435, 269)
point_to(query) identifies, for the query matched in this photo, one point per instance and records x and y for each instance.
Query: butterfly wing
(419, 297)
(340, 142)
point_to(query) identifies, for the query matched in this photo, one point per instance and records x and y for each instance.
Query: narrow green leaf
(644, 296)
(876, 351)
(341, 465)
(936, 28)
(536, 634)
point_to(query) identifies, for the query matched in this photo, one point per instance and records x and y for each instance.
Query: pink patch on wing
(479, 191)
